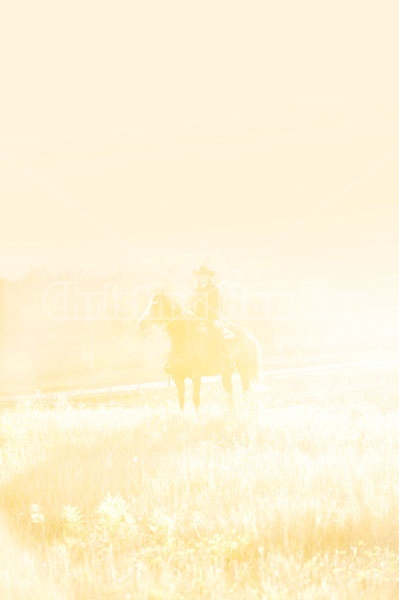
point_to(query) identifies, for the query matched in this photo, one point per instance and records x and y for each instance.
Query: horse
(193, 352)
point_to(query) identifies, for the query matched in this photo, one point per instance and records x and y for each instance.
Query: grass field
(281, 499)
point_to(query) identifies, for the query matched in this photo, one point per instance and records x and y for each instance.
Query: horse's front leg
(181, 389)
(197, 391)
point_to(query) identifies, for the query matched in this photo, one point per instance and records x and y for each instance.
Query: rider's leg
(220, 343)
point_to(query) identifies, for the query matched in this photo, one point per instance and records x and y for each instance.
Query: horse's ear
(156, 288)
(165, 291)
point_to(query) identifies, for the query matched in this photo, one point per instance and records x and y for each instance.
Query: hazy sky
(195, 125)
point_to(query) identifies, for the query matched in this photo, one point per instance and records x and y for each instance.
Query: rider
(206, 305)
(206, 300)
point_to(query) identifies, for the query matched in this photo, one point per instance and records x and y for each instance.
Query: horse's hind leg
(245, 383)
(181, 390)
(228, 386)
(197, 392)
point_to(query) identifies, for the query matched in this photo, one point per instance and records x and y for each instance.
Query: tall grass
(273, 501)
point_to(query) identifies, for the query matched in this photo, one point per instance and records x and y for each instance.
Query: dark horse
(193, 350)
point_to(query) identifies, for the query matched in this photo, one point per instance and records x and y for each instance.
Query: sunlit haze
(199, 300)
(195, 128)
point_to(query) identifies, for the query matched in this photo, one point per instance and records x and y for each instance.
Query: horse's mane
(176, 305)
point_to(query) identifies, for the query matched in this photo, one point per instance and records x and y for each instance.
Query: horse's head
(163, 308)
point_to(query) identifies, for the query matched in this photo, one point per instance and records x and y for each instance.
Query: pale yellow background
(191, 126)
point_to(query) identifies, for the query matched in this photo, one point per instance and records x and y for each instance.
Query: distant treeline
(59, 331)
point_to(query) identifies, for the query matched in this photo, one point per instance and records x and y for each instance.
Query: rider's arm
(215, 304)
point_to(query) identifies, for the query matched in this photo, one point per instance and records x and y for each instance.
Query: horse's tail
(249, 359)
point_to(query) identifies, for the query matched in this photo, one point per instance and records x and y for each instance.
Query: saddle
(212, 353)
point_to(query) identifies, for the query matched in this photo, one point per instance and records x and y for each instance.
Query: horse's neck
(185, 333)
(177, 330)
(181, 329)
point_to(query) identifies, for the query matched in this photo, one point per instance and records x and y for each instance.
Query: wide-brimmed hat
(204, 270)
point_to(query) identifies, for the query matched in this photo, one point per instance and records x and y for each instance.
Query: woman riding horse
(206, 306)
(192, 340)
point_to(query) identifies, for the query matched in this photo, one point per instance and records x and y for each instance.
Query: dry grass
(280, 502)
